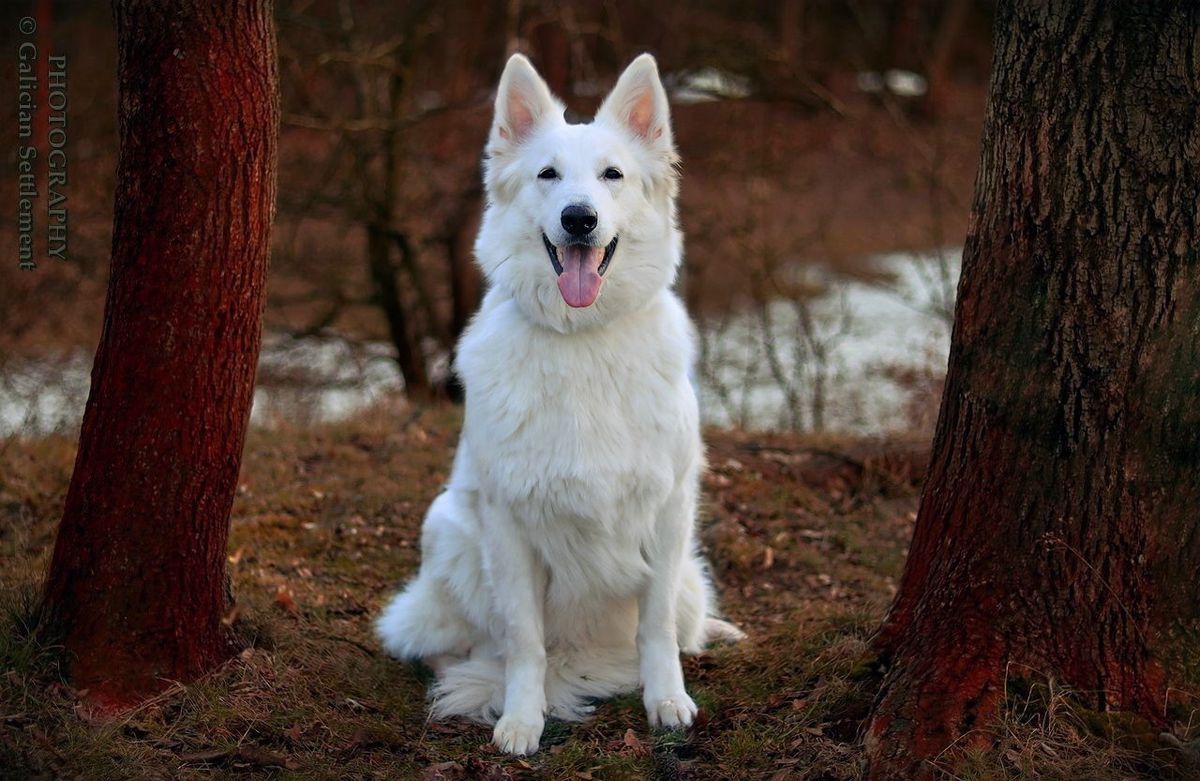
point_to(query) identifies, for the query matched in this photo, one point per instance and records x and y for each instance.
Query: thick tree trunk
(1057, 534)
(136, 587)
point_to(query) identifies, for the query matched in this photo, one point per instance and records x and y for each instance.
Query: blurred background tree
(803, 146)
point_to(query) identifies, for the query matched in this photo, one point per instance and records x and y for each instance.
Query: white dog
(560, 563)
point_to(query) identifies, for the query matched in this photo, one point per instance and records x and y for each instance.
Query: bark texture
(136, 587)
(1057, 535)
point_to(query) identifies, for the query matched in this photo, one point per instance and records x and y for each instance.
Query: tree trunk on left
(136, 589)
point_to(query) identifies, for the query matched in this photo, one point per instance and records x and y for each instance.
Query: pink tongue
(580, 280)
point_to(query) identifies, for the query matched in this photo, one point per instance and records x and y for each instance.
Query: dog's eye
(548, 173)
(613, 174)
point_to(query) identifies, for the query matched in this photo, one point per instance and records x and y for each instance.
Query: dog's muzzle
(580, 269)
(552, 251)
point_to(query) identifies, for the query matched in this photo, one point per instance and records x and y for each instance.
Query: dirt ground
(806, 537)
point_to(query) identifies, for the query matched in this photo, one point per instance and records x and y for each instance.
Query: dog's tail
(474, 688)
(717, 630)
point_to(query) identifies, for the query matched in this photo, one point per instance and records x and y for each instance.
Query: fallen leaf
(439, 771)
(261, 757)
(208, 755)
(359, 705)
(285, 599)
(360, 739)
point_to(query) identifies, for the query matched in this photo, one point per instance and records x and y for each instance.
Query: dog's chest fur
(583, 436)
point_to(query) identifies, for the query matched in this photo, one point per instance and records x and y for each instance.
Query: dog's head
(580, 224)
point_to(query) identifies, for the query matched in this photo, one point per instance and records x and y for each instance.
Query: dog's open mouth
(580, 269)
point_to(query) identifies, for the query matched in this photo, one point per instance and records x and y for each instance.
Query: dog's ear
(522, 101)
(639, 103)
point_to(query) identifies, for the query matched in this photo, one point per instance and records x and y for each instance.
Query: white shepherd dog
(560, 563)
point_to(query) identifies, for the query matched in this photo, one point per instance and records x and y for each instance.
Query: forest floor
(806, 536)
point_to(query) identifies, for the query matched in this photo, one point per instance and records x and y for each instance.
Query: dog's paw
(517, 735)
(673, 711)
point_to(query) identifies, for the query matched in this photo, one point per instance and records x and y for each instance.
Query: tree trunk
(401, 327)
(1057, 532)
(387, 293)
(464, 276)
(551, 46)
(136, 588)
(905, 38)
(941, 51)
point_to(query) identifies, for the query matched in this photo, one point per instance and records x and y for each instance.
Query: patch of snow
(765, 369)
(901, 83)
(864, 328)
(706, 85)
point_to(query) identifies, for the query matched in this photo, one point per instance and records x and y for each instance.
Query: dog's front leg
(667, 702)
(518, 589)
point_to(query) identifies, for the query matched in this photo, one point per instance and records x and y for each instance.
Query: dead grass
(1047, 734)
(806, 537)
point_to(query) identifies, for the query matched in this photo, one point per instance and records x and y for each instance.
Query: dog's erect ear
(639, 103)
(522, 101)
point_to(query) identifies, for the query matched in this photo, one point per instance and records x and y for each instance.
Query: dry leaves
(286, 599)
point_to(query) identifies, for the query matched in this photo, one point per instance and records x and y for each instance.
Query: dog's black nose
(578, 220)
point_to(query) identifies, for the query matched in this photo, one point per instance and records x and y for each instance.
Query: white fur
(560, 564)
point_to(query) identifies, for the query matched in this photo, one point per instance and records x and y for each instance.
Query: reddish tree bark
(136, 587)
(1057, 533)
